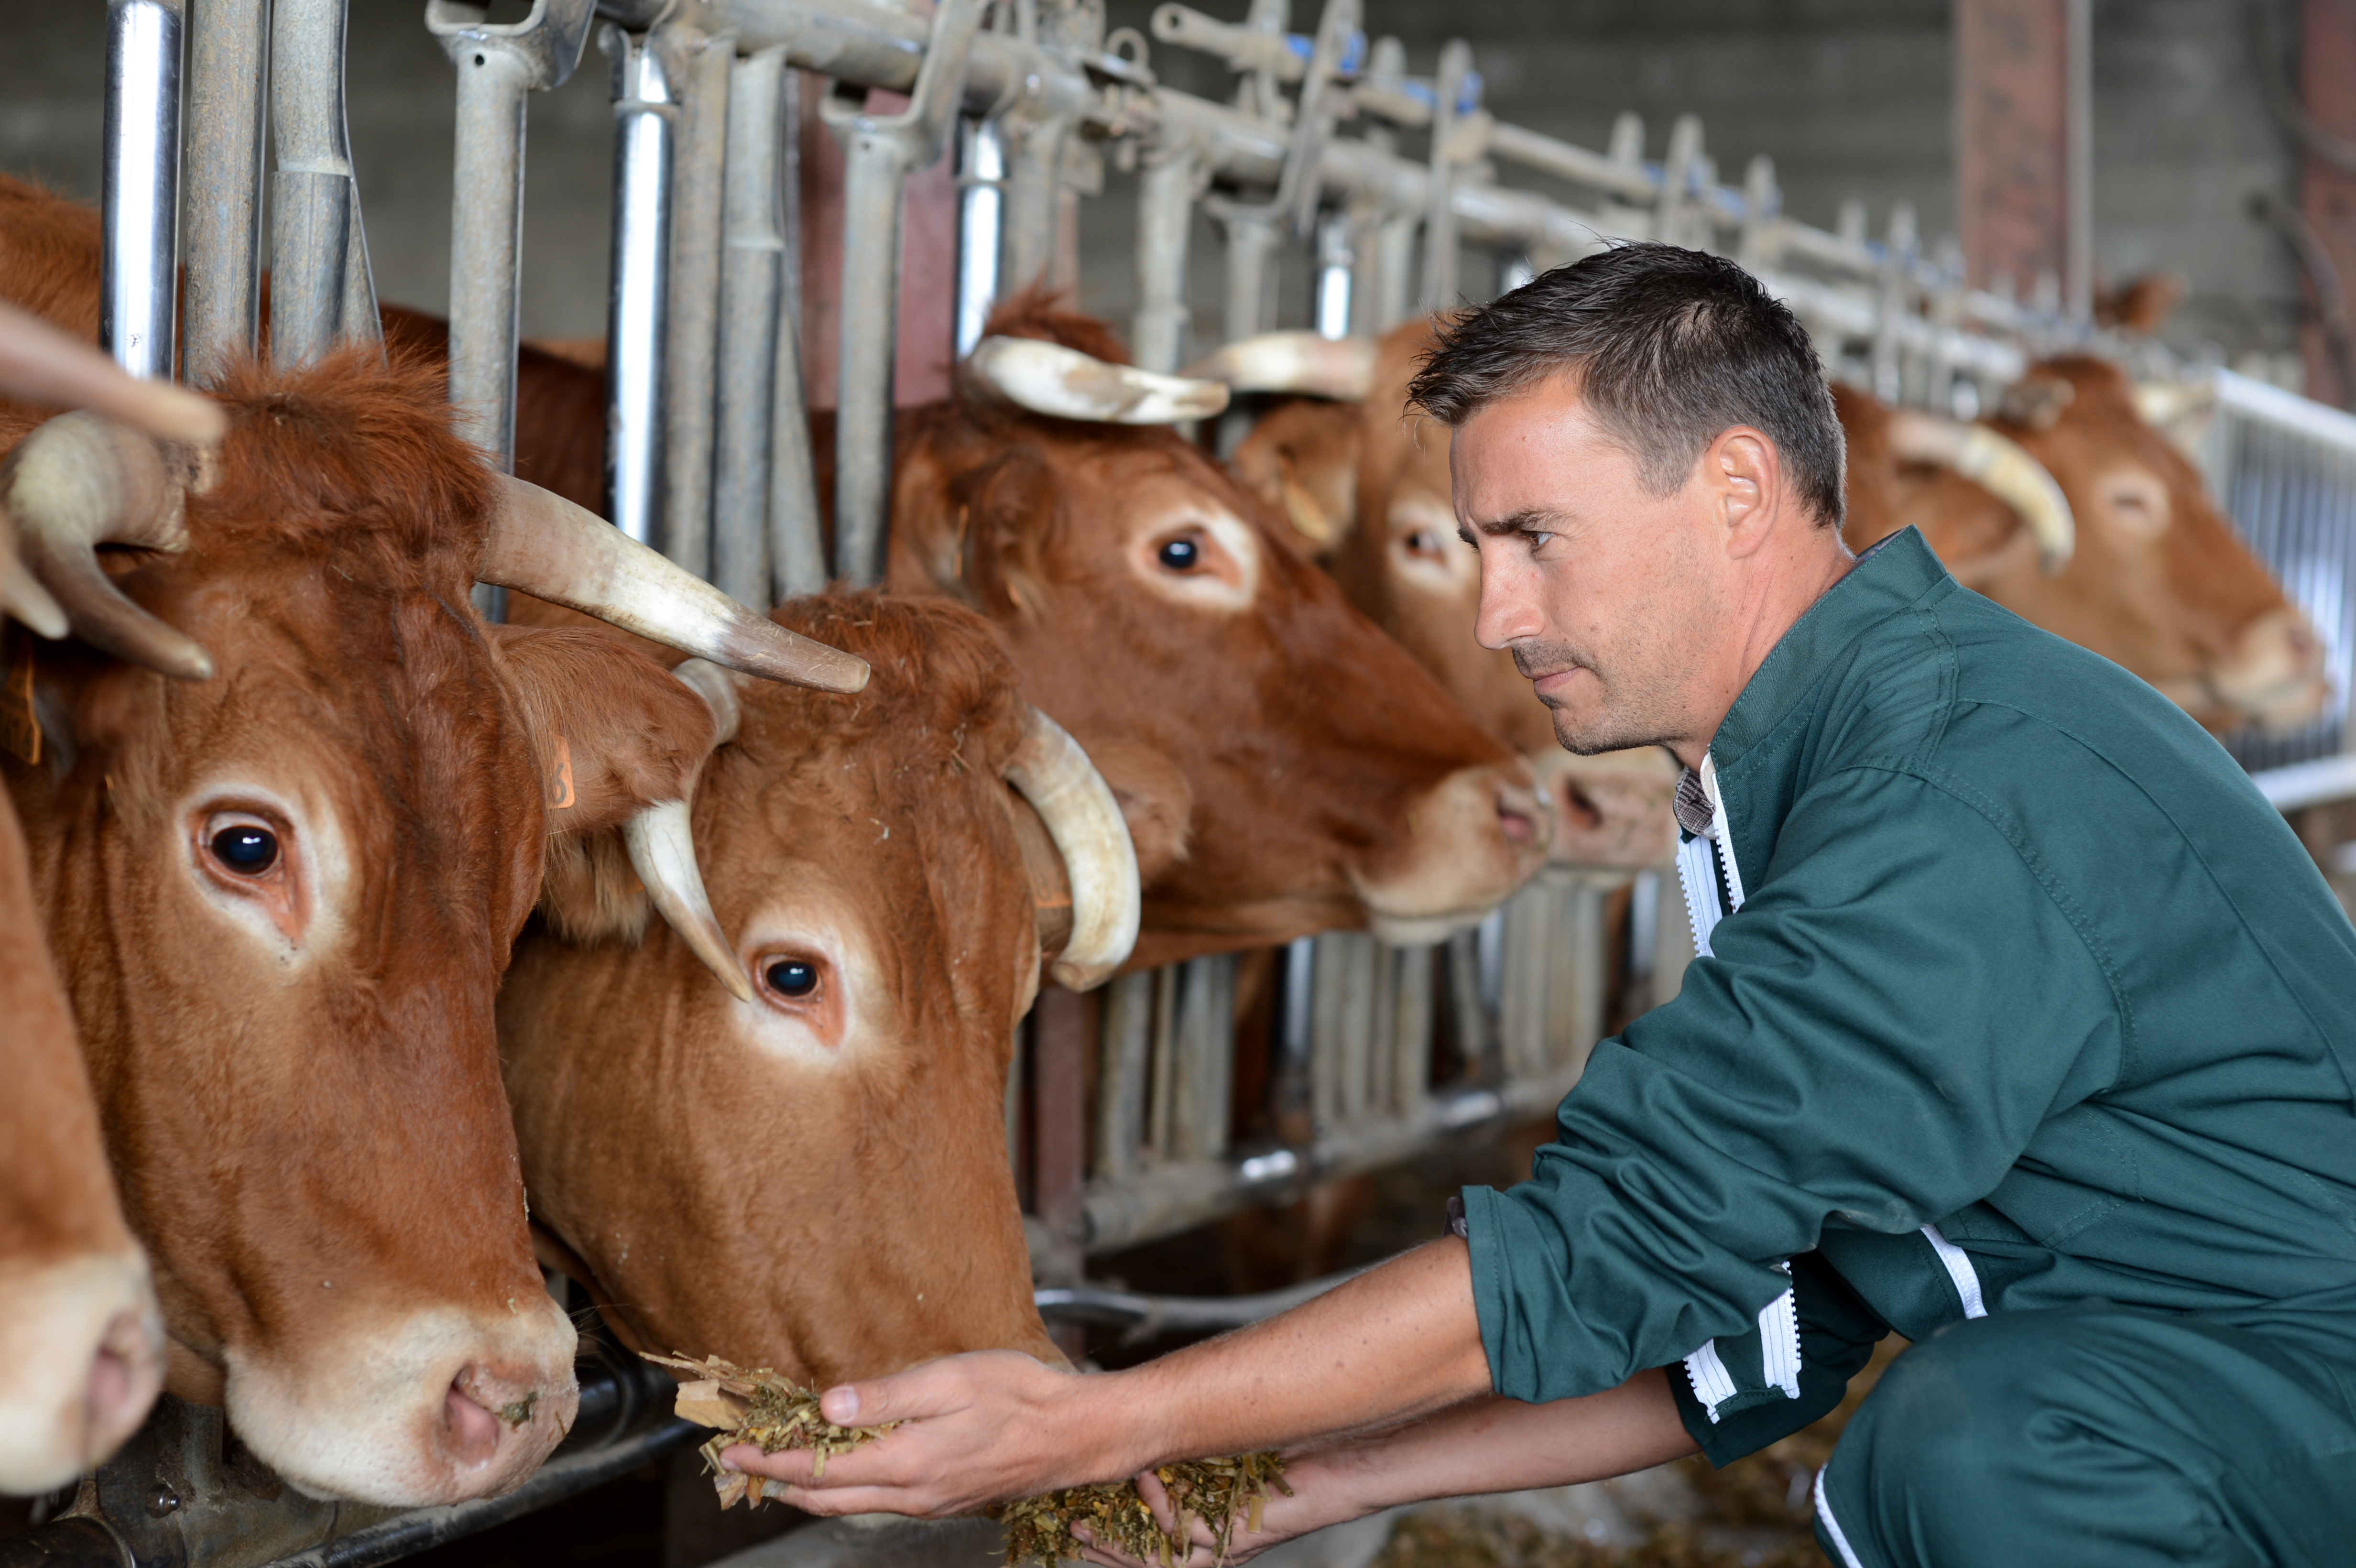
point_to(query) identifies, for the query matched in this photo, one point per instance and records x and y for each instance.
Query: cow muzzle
(433, 1408)
(1469, 845)
(82, 1347)
(2274, 677)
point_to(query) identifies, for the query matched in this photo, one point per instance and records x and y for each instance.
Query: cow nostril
(474, 1431)
(108, 1392)
(1519, 818)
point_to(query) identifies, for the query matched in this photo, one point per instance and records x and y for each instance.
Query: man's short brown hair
(1672, 347)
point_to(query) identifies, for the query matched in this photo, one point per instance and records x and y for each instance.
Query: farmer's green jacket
(2024, 957)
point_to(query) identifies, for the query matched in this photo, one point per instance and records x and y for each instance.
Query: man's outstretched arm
(1396, 1342)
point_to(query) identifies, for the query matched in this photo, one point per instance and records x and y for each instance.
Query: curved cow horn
(1342, 368)
(661, 841)
(81, 481)
(1049, 379)
(1085, 821)
(543, 545)
(2002, 466)
(21, 594)
(41, 365)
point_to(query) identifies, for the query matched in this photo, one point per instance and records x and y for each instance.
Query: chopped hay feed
(1218, 1491)
(753, 1404)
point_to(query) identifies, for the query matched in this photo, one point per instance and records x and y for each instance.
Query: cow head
(282, 895)
(1364, 484)
(1284, 766)
(814, 1178)
(2158, 582)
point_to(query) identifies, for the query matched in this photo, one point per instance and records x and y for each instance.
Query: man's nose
(1509, 610)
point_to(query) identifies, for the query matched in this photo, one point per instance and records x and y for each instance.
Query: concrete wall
(1850, 97)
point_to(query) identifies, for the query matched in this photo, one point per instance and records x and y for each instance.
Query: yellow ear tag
(560, 776)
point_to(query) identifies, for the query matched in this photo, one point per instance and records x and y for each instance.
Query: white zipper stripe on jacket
(1713, 1385)
(1960, 1270)
(1705, 878)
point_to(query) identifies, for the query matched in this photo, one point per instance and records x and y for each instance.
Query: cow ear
(1301, 457)
(614, 732)
(1005, 508)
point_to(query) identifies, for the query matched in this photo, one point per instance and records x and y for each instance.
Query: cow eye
(1423, 541)
(791, 977)
(1184, 553)
(245, 849)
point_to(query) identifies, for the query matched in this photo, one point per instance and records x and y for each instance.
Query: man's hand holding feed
(1396, 1342)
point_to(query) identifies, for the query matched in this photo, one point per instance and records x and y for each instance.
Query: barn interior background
(2196, 165)
(1854, 99)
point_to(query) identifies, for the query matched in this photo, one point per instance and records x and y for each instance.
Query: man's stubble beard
(1632, 712)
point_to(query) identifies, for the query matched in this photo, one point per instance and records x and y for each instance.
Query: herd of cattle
(327, 935)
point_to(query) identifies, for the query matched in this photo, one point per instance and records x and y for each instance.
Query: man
(2022, 1027)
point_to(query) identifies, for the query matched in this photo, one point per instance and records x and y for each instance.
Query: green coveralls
(2031, 1038)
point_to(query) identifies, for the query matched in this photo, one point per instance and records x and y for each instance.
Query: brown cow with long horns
(814, 1178)
(294, 807)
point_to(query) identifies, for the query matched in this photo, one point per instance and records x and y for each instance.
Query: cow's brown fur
(835, 1217)
(1304, 741)
(313, 1139)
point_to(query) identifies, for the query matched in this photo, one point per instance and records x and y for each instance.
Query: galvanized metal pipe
(1440, 239)
(321, 293)
(1252, 245)
(138, 287)
(229, 51)
(981, 226)
(636, 301)
(487, 247)
(1166, 188)
(796, 535)
(752, 278)
(696, 63)
(1034, 184)
(878, 151)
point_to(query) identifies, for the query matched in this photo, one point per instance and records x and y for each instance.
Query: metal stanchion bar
(229, 47)
(138, 287)
(638, 301)
(320, 291)
(696, 64)
(1206, 1058)
(1166, 188)
(878, 151)
(1124, 1060)
(752, 278)
(981, 229)
(1439, 230)
(1034, 184)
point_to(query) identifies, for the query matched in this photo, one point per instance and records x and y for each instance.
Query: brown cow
(1285, 768)
(281, 898)
(82, 1342)
(2157, 580)
(817, 1179)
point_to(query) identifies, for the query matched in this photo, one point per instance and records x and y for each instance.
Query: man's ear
(614, 732)
(1302, 458)
(1745, 477)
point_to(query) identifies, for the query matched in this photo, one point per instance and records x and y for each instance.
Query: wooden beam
(2327, 84)
(2023, 143)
